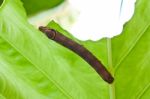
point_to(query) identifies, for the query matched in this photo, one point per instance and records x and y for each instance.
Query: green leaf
(34, 67)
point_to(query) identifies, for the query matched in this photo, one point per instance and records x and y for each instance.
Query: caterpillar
(79, 50)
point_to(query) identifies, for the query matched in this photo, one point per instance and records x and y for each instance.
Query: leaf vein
(49, 78)
(133, 44)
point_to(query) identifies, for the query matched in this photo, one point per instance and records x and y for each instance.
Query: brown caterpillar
(80, 50)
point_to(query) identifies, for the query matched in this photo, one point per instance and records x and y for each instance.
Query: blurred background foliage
(1, 1)
(34, 6)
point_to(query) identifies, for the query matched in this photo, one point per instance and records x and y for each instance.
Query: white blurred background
(89, 19)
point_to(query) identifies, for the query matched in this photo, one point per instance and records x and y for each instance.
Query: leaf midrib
(112, 94)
